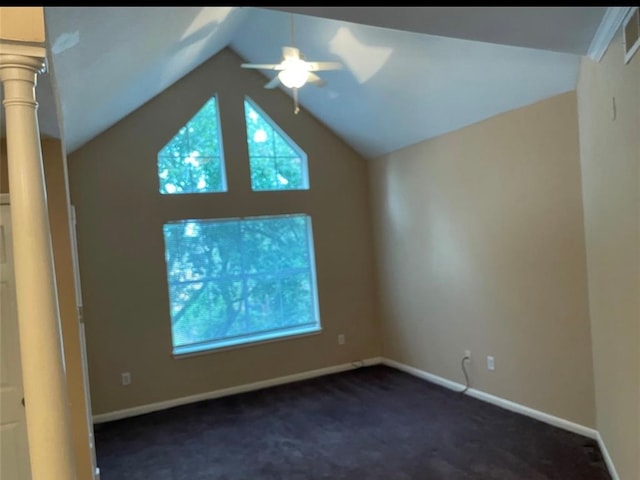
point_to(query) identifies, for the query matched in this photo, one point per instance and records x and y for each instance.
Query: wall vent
(631, 33)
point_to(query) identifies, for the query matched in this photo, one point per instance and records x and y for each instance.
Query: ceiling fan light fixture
(295, 73)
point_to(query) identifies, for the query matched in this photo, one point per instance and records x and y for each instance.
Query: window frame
(224, 187)
(306, 181)
(294, 332)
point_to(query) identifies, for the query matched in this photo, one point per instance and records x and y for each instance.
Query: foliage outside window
(236, 281)
(276, 162)
(192, 161)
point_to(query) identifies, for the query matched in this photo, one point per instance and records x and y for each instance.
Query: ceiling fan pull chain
(296, 108)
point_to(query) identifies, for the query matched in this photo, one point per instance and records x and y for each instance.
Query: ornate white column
(43, 370)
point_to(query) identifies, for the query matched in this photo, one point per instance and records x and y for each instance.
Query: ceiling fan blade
(265, 66)
(316, 66)
(273, 83)
(290, 52)
(315, 80)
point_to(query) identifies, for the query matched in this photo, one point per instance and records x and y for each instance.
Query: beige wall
(4, 171)
(480, 242)
(57, 198)
(114, 186)
(610, 156)
(24, 24)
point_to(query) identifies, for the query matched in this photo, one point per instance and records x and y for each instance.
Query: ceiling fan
(294, 71)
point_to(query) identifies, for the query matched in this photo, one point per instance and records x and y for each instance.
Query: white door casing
(83, 345)
(14, 448)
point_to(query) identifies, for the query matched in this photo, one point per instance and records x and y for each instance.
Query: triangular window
(276, 162)
(192, 162)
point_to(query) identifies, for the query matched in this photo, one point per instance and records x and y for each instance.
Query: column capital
(20, 64)
(23, 55)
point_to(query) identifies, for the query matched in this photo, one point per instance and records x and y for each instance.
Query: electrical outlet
(490, 363)
(126, 378)
(341, 339)
(467, 354)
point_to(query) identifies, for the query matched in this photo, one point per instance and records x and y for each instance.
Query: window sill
(188, 352)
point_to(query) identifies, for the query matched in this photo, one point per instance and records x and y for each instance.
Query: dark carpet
(371, 423)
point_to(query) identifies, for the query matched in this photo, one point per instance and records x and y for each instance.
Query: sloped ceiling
(411, 73)
(559, 29)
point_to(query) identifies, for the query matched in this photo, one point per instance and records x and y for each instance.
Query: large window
(276, 162)
(235, 281)
(192, 161)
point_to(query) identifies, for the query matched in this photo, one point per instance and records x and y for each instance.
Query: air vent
(631, 33)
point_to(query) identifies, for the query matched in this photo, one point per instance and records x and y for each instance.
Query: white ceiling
(411, 73)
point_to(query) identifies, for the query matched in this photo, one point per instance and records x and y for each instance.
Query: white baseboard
(153, 407)
(607, 459)
(514, 407)
(498, 401)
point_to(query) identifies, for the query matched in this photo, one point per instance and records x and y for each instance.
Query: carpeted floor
(371, 423)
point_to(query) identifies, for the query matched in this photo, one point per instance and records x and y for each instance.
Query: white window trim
(294, 145)
(208, 351)
(293, 332)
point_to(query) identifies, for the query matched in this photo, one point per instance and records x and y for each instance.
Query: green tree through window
(234, 281)
(275, 160)
(192, 161)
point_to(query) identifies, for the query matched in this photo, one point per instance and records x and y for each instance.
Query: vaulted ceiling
(411, 73)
